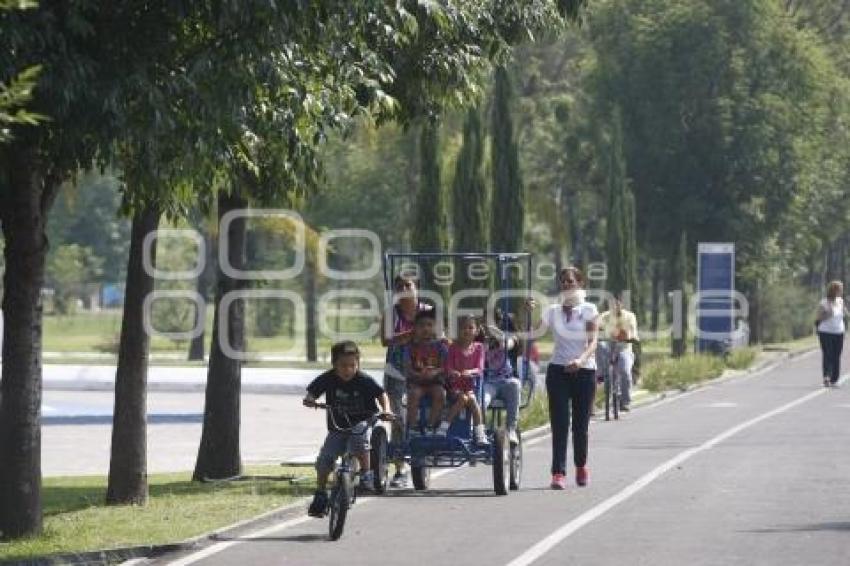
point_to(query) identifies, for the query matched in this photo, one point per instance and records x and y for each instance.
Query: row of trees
(657, 125)
(724, 121)
(195, 103)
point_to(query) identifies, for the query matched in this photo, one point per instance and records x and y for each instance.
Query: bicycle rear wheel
(516, 463)
(339, 503)
(501, 463)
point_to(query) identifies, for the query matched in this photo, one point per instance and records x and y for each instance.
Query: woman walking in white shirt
(830, 324)
(571, 374)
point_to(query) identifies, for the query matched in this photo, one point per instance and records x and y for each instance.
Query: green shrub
(659, 374)
(741, 358)
(679, 373)
(536, 414)
(787, 312)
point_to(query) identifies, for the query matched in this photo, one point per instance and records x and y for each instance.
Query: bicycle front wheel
(340, 498)
(615, 402)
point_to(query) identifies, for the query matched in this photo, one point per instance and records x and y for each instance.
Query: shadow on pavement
(442, 493)
(816, 527)
(307, 537)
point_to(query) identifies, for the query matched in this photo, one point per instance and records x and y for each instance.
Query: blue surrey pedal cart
(510, 273)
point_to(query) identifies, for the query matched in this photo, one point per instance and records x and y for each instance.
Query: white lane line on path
(224, 545)
(708, 386)
(548, 543)
(220, 546)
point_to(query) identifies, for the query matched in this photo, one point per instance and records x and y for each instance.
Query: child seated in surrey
(499, 379)
(424, 358)
(465, 363)
(351, 396)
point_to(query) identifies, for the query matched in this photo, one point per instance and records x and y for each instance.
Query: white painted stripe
(548, 543)
(721, 405)
(220, 546)
(533, 441)
(224, 545)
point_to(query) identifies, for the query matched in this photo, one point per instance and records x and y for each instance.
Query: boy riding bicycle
(351, 396)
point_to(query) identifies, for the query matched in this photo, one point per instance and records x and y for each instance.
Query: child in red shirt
(465, 364)
(424, 360)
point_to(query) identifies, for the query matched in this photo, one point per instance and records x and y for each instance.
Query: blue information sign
(715, 287)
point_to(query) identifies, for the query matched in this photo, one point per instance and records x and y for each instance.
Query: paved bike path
(736, 501)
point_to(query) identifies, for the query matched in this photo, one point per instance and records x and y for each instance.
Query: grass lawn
(76, 519)
(97, 334)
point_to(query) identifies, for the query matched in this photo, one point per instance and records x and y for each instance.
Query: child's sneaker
(480, 435)
(400, 479)
(319, 505)
(442, 430)
(367, 481)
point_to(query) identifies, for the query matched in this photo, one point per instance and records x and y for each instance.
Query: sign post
(715, 292)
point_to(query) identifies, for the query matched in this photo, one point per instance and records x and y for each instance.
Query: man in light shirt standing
(620, 325)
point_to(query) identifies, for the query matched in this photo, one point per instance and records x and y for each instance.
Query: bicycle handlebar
(371, 420)
(615, 341)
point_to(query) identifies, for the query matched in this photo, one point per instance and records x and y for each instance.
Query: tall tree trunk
(218, 455)
(679, 343)
(755, 318)
(25, 199)
(310, 293)
(656, 291)
(128, 478)
(196, 345)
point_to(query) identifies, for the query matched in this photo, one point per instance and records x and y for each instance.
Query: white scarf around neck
(573, 297)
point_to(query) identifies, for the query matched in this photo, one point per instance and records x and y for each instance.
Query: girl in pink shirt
(464, 364)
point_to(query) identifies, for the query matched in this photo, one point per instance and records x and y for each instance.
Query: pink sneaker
(559, 481)
(581, 476)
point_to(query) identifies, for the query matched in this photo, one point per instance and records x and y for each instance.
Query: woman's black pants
(570, 395)
(831, 346)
